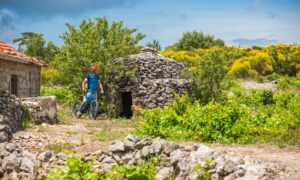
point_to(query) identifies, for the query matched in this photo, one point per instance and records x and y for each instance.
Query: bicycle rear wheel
(93, 110)
(76, 108)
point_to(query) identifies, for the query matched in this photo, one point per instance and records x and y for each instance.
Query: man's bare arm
(84, 81)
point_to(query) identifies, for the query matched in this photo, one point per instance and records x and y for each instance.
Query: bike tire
(76, 108)
(93, 110)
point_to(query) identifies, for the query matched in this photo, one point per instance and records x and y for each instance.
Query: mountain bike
(92, 109)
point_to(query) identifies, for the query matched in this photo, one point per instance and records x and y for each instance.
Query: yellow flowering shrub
(257, 62)
(49, 76)
(286, 58)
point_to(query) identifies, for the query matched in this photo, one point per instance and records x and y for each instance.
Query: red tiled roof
(9, 53)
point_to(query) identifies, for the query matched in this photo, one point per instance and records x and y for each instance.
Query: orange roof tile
(9, 53)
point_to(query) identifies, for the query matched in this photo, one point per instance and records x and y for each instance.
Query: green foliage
(208, 75)
(96, 43)
(242, 118)
(75, 169)
(27, 120)
(195, 40)
(265, 97)
(203, 170)
(145, 171)
(50, 77)
(33, 44)
(273, 76)
(286, 83)
(64, 95)
(154, 44)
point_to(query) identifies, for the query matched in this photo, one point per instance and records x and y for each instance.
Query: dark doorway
(14, 84)
(126, 103)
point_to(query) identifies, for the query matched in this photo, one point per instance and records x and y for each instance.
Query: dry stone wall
(43, 109)
(10, 115)
(157, 79)
(176, 161)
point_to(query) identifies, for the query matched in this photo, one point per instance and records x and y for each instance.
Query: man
(93, 83)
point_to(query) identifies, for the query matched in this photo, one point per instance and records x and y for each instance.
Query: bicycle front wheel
(93, 110)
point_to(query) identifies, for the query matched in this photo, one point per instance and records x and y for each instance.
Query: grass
(60, 147)
(27, 120)
(107, 134)
(289, 138)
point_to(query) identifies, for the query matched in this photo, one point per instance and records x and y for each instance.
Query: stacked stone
(175, 161)
(155, 66)
(42, 109)
(182, 162)
(17, 163)
(158, 79)
(10, 115)
(159, 92)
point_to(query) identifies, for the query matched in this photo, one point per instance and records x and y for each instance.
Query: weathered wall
(43, 109)
(28, 78)
(10, 115)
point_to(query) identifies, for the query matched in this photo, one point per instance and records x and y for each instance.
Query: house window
(14, 84)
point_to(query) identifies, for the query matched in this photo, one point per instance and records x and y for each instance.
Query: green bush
(63, 94)
(27, 120)
(265, 97)
(75, 169)
(239, 119)
(289, 83)
(273, 76)
(144, 172)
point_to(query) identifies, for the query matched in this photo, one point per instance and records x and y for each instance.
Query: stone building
(156, 80)
(19, 74)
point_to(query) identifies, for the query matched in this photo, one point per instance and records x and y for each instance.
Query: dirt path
(76, 135)
(82, 135)
(288, 156)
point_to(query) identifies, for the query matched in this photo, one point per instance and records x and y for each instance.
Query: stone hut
(156, 80)
(19, 74)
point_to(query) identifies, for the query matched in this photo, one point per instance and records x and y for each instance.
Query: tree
(96, 42)
(195, 40)
(33, 45)
(154, 44)
(51, 50)
(208, 75)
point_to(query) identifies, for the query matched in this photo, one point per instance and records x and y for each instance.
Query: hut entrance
(126, 104)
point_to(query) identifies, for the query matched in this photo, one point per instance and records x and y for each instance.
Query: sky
(238, 22)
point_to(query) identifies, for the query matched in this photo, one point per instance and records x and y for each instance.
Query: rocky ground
(91, 139)
(34, 151)
(255, 85)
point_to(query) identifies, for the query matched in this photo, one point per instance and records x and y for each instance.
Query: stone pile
(174, 160)
(159, 92)
(156, 66)
(10, 115)
(158, 79)
(181, 162)
(17, 163)
(43, 109)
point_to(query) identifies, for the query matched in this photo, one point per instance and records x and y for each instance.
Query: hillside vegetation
(216, 110)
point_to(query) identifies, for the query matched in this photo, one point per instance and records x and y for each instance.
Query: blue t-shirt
(92, 81)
